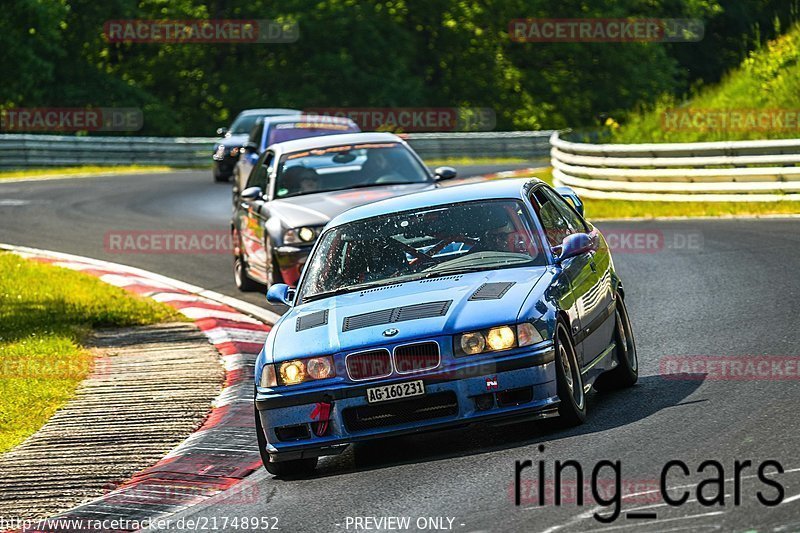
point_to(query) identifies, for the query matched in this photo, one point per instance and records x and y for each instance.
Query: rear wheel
(572, 406)
(240, 277)
(627, 371)
(296, 468)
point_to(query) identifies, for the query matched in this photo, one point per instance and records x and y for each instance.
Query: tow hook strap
(321, 413)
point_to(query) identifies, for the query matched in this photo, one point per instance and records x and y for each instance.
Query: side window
(555, 225)
(576, 223)
(258, 177)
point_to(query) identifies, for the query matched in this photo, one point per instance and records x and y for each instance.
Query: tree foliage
(368, 53)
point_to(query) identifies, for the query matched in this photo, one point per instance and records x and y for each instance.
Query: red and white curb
(223, 451)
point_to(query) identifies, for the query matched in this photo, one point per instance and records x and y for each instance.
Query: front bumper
(291, 260)
(520, 387)
(223, 167)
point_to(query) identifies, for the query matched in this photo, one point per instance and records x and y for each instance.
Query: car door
(596, 304)
(252, 220)
(577, 270)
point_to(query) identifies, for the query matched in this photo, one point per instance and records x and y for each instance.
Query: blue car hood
(462, 314)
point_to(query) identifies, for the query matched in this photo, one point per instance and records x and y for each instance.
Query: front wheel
(627, 371)
(219, 177)
(296, 468)
(572, 405)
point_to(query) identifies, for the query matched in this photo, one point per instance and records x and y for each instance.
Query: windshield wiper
(340, 290)
(453, 271)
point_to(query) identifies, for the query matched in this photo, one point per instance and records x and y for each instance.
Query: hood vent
(311, 320)
(376, 289)
(431, 280)
(491, 291)
(397, 314)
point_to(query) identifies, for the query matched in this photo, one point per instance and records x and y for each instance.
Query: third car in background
(226, 150)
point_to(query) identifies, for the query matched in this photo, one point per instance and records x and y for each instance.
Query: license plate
(396, 391)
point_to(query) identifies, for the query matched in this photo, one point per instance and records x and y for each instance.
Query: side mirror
(252, 193)
(572, 197)
(280, 293)
(250, 147)
(574, 245)
(222, 131)
(444, 173)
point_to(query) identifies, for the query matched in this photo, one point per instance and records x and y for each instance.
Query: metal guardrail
(28, 151)
(739, 171)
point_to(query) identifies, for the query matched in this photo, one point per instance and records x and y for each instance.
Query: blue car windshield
(430, 242)
(346, 167)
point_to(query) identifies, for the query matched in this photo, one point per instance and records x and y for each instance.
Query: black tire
(626, 374)
(240, 277)
(218, 176)
(572, 405)
(296, 468)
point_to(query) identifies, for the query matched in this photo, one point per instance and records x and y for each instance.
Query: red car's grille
(368, 365)
(416, 357)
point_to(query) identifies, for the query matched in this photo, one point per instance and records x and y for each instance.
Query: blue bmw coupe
(475, 303)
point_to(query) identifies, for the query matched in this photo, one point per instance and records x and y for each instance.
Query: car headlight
(496, 339)
(298, 371)
(501, 338)
(302, 235)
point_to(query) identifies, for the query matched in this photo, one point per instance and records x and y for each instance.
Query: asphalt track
(700, 288)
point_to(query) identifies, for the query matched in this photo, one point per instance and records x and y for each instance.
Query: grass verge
(605, 209)
(767, 81)
(46, 312)
(466, 161)
(88, 170)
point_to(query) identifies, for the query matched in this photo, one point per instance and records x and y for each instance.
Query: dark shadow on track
(606, 411)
